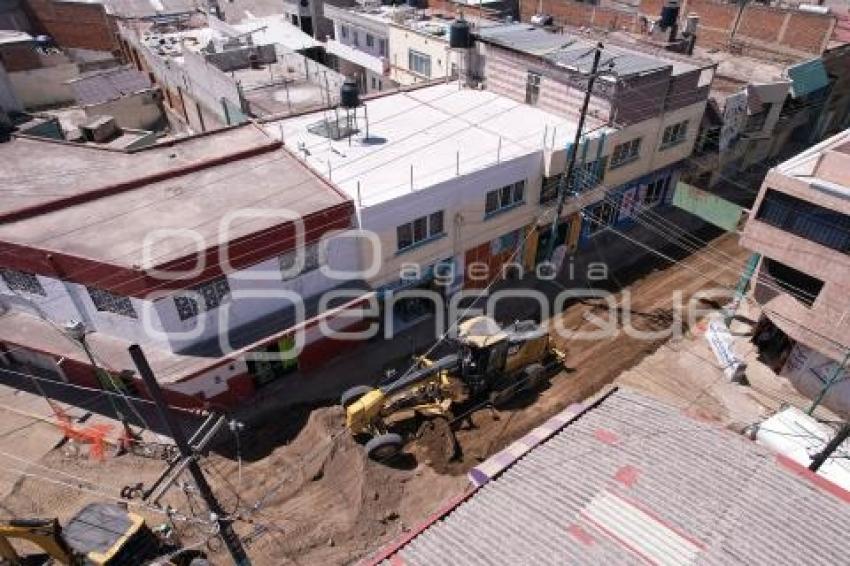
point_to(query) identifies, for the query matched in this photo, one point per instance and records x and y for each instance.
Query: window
(382, 47)
(600, 216)
(504, 198)
(212, 292)
(674, 134)
(805, 219)
(310, 261)
(799, 285)
(420, 230)
(370, 40)
(22, 281)
(105, 301)
(343, 31)
(655, 191)
(625, 153)
(505, 243)
(355, 37)
(532, 88)
(419, 63)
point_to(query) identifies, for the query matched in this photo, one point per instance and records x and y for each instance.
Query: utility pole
(833, 445)
(225, 524)
(569, 167)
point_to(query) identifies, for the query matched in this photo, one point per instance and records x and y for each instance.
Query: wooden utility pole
(569, 168)
(225, 524)
(833, 445)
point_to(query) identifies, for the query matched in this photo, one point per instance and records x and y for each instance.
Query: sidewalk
(29, 429)
(685, 373)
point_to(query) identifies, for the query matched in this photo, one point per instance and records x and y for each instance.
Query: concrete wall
(403, 39)
(39, 88)
(360, 24)
(136, 111)
(9, 101)
(234, 59)
(462, 200)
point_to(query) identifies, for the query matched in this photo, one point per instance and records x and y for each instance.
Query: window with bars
(22, 281)
(212, 293)
(310, 260)
(420, 230)
(674, 134)
(625, 153)
(504, 198)
(106, 301)
(655, 190)
(601, 216)
(806, 219)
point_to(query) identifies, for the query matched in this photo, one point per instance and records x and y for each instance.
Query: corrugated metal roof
(631, 481)
(572, 51)
(102, 86)
(621, 61)
(525, 38)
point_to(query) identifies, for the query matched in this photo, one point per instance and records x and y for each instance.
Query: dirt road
(302, 488)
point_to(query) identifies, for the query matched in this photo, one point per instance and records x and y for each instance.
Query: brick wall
(572, 13)
(761, 30)
(19, 57)
(762, 23)
(74, 24)
(808, 32)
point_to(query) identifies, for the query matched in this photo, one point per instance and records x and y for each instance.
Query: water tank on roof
(459, 35)
(349, 94)
(669, 13)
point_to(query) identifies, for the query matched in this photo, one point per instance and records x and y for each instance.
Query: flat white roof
(275, 29)
(424, 129)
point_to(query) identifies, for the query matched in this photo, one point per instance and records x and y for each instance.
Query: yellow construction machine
(491, 364)
(101, 534)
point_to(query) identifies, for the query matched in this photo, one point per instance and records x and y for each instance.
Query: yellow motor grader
(491, 364)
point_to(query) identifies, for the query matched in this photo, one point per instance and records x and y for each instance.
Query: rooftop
(276, 30)
(109, 84)
(575, 49)
(100, 205)
(825, 165)
(631, 480)
(426, 131)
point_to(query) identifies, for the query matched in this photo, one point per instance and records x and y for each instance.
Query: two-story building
(800, 227)
(642, 122)
(210, 251)
(446, 179)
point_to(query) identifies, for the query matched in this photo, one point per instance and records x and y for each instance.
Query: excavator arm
(44, 533)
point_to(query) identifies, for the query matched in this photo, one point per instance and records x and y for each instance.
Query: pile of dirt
(320, 500)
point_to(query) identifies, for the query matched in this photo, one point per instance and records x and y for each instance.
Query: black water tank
(669, 13)
(349, 94)
(413, 3)
(459, 35)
